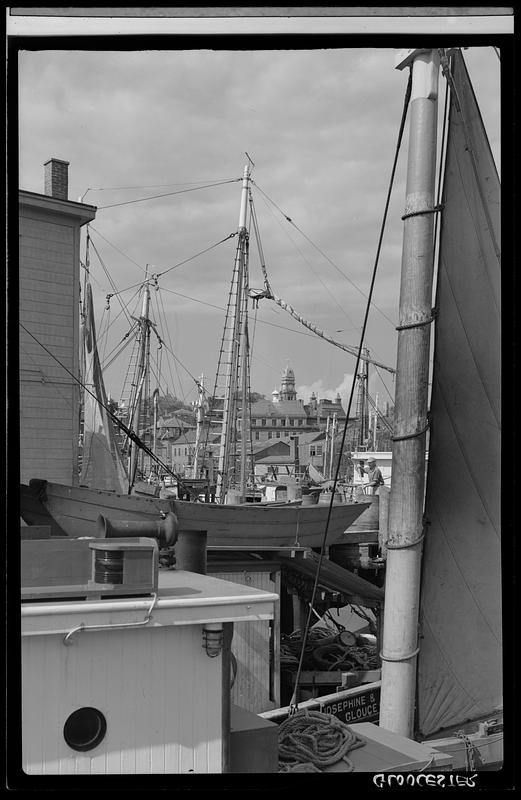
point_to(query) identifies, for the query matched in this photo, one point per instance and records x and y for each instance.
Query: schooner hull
(74, 511)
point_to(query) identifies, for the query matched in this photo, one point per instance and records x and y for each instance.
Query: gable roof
(265, 408)
(174, 422)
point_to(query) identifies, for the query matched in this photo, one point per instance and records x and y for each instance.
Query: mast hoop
(412, 435)
(433, 210)
(428, 321)
(405, 545)
(399, 658)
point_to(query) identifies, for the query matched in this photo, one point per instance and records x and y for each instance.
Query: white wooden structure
(49, 279)
(162, 703)
(255, 645)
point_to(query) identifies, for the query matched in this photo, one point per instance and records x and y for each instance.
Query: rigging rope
(322, 335)
(294, 702)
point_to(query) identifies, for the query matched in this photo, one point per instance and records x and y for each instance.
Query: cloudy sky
(321, 127)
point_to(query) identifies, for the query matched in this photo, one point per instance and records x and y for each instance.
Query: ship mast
(362, 410)
(402, 585)
(142, 374)
(237, 354)
(199, 426)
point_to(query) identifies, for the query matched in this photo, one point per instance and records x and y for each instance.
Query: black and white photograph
(255, 359)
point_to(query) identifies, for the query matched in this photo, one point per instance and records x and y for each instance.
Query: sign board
(361, 707)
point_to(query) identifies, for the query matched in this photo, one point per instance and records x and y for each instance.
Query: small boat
(74, 511)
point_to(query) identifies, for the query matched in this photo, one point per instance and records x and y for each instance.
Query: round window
(85, 729)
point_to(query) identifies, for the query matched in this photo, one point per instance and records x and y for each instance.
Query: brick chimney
(57, 178)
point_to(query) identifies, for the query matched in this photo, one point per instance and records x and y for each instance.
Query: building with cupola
(287, 415)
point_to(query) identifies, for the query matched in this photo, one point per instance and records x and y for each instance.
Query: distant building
(49, 280)
(320, 410)
(181, 451)
(172, 427)
(286, 415)
(290, 456)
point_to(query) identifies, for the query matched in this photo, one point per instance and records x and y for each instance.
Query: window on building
(270, 434)
(273, 422)
(263, 422)
(319, 449)
(278, 434)
(300, 423)
(253, 422)
(257, 434)
(291, 422)
(312, 450)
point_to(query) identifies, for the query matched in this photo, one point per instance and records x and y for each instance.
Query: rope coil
(311, 740)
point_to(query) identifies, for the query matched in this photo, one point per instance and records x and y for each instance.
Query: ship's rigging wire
(129, 433)
(391, 398)
(165, 328)
(322, 253)
(268, 293)
(157, 275)
(201, 252)
(293, 702)
(303, 257)
(168, 194)
(221, 308)
(115, 352)
(150, 186)
(125, 255)
(115, 293)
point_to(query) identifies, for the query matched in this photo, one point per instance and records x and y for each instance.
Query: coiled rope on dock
(312, 740)
(324, 651)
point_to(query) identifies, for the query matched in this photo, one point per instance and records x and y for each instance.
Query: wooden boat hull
(74, 511)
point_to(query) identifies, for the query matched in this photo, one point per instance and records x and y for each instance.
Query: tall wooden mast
(141, 376)
(199, 428)
(404, 548)
(237, 352)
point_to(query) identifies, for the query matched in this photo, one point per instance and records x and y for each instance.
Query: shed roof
(336, 578)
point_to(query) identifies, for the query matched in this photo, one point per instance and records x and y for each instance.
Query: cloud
(321, 127)
(343, 389)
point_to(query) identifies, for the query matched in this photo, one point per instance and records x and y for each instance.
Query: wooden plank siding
(49, 279)
(160, 694)
(255, 645)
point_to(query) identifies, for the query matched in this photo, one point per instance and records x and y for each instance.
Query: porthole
(84, 729)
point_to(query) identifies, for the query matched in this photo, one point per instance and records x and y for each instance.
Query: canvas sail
(102, 466)
(459, 664)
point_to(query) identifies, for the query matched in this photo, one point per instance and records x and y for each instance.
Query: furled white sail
(102, 466)
(460, 659)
